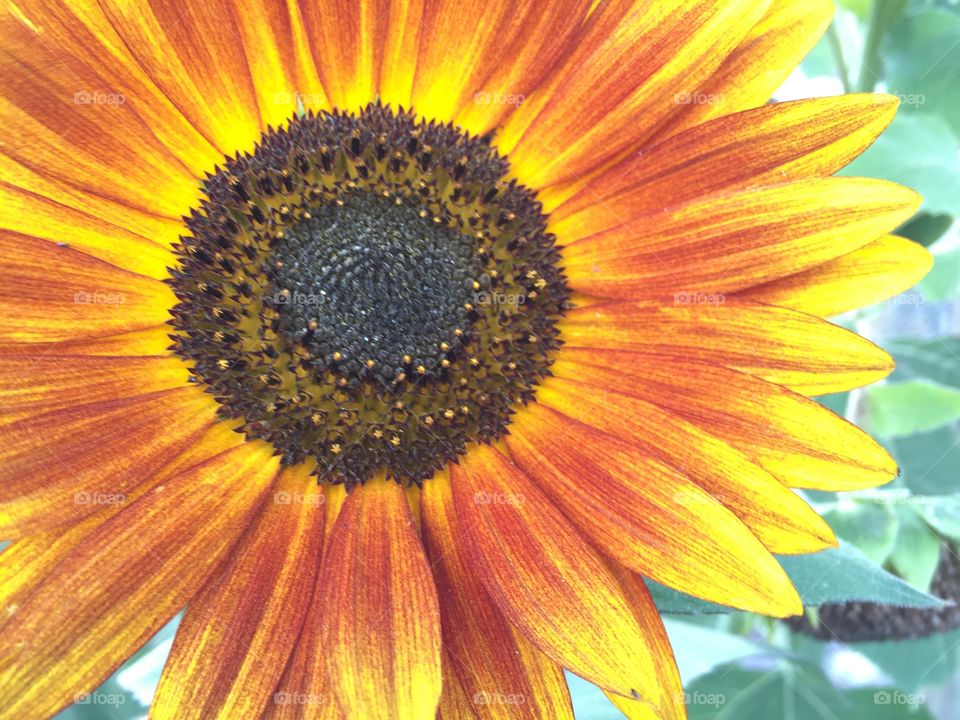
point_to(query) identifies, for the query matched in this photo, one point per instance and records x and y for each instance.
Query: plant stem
(836, 49)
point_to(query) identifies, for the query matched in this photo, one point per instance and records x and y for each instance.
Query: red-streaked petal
(490, 664)
(41, 383)
(772, 144)
(648, 516)
(126, 580)
(238, 633)
(875, 272)
(732, 242)
(546, 579)
(479, 59)
(304, 692)
(674, 700)
(794, 438)
(748, 76)
(381, 632)
(605, 98)
(31, 558)
(57, 293)
(783, 522)
(59, 467)
(800, 351)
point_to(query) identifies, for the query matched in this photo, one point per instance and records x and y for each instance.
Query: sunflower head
(368, 290)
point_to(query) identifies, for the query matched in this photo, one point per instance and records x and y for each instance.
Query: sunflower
(401, 341)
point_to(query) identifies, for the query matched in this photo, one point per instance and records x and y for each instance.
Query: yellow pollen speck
(395, 441)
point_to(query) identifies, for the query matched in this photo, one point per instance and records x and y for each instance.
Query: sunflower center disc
(376, 282)
(368, 291)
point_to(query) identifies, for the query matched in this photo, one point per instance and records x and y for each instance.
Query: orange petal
(195, 56)
(381, 635)
(347, 38)
(648, 516)
(280, 72)
(547, 32)
(29, 214)
(732, 242)
(783, 522)
(454, 703)
(63, 465)
(478, 60)
(749, 75)
(150, 343)
(238, 633)
(783, 346)
(618, 84)
(674, 701)
(500, 679)
(796, 439)
(303, 691)
(41, 383)
(126, 580)
(32, 558)
(73, 126)
(546, 579)
(772, 144)
(25, 181)
(84, 297)
(877, 271)
(398, 65)
(74, 48)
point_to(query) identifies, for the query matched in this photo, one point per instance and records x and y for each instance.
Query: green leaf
(923, 62)
(942, 514)
(916, 663)
(926, 228)
(916, 553)
(943, 280)
(699, 650)
(937, 360)
(778, 688)
(836, 575)
(929, 461)
(907, 408)
(872, 527)
(920, 151)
